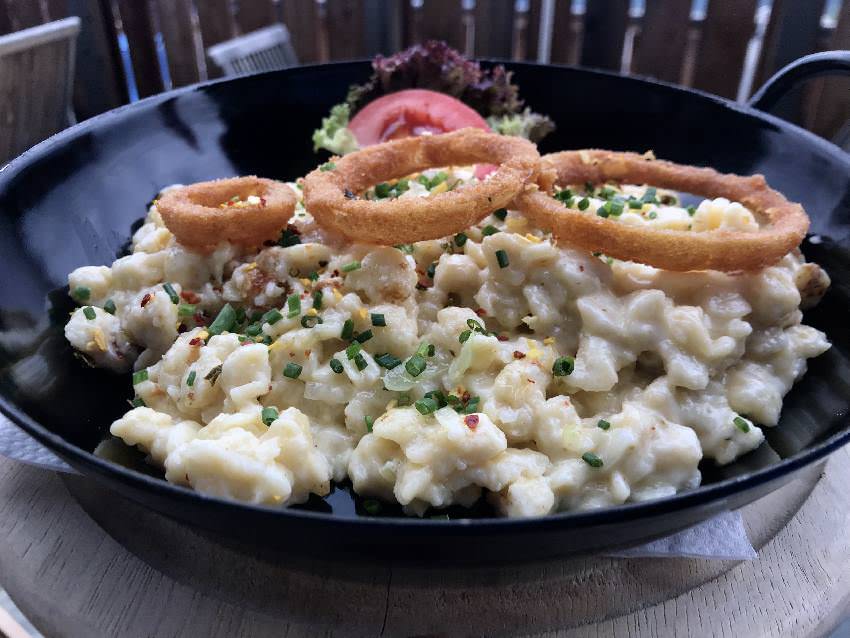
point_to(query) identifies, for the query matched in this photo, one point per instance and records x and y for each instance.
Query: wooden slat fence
(727, 47)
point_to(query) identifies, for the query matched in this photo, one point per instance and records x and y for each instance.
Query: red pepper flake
(196, 341)
(502, 337)
(146, 299)
(481, 312)
(519, 355)
(189, 296)
(181, 329)
(262, 201)
(199, 318)
(530, 380)
(307, 353)
(335, 273)
(465, 397)
(471, 421)
(581, 268)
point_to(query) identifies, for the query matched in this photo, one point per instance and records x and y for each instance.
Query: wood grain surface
(81, 563)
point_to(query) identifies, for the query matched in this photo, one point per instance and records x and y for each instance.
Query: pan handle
(805, 68)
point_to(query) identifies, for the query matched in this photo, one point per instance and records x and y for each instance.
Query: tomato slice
(412, 112)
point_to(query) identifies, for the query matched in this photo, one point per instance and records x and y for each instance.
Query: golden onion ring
(202, 215)
(329, 194)
(680, 250)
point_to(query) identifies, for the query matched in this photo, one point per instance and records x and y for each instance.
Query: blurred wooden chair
(265, 49)
(36, 84)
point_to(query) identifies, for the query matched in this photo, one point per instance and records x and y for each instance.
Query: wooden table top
(82, 564)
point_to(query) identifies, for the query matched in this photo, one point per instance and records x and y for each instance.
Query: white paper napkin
(720, 538)
(20, 446)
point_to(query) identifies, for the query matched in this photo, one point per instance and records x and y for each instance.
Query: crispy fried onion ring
(784, 223)
(202, 215)
(329, 195)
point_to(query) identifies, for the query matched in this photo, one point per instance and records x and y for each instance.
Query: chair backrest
(36, 84)
(266, 49)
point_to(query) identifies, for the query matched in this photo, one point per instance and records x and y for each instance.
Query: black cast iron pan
(74, 199)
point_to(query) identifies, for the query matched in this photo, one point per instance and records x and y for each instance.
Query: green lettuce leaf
(334, 135)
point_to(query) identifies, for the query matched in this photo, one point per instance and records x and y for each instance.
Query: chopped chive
(269, 415)
(360, 362)
(426, 405)
(471, 405)
(139, 376)
(387, 361)
(213, 375)
(616, 206)
(89, 312)
(432, 270)
(224, 321)
(501, 214)
(415, 365)
(267, 340)
(253, 330)
(692, 210)
(652, 214)
(310, 321)
(602, 424)
(489, 230)
(372, 507)
(649, 196)
(369, 423)
(563, 366)
(591, 459)
(352, 350)
(289, 237)
(407, 249)
(426, 350)
(190, 380)
(464, 336)
(327, 166)
(741, 424)
(502, 259)
(475, 326)
(351, 266)
(185, 310)
(317, 299)
(364, 336)
(293, 303)
(109, 307)
(583, 203)
(403, 400)
(292, 370)
(460, 239)
(635, 203)
(383, 190)
(138, 402)
(336, 366)
(588, 188)
(81, 293)
(378, 320)
(240, 314)
(172, 294)
(347, 330)
(272, 317)
(564, 195)
(313, 276)
(437, 396)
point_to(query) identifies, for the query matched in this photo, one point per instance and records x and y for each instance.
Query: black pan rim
(703, 495)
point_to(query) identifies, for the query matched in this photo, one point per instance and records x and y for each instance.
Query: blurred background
(118, 51)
